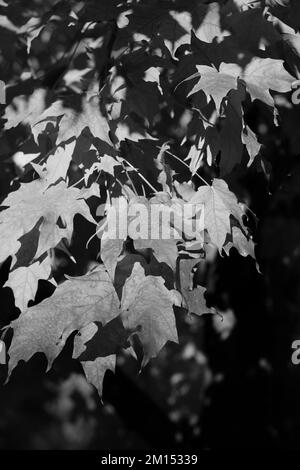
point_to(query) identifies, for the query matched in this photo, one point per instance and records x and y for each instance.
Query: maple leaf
(96, 347)
(111, 239)
(185, 190)
(106, 164)
(94, 369)
(148, 304)
(244, 245)
(259, 75)
(160, 21)
(57, 164)
(176, 30)
(250, 140)
(96, 340)
(80, 301)
(219, 204)
(262, 75)
(75, 303)
(130, 56)
(193, 295)
(110, 251)
(125, 266)
(33, 203)
(25, 109)
(24, 281)
(164, 250)
(227, 139)
(150, 230)
(72, 118)
(159, 223)
(207, 22)
(216, 83)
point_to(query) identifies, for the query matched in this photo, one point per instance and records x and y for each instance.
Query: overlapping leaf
(97, 346)
(260, 76)
(24, 281)
(68, 120)
(79, 302)
(219, 205)
(115, 129)
(148, 304)
(33, 203)
(74, 304)
(195, 301)
(216, 83)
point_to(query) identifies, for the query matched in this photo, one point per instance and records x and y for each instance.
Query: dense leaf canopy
(131, 106)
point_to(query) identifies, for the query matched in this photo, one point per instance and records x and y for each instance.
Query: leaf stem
(77, 182)
(128, 176)
(185, 164)
(141, 176)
